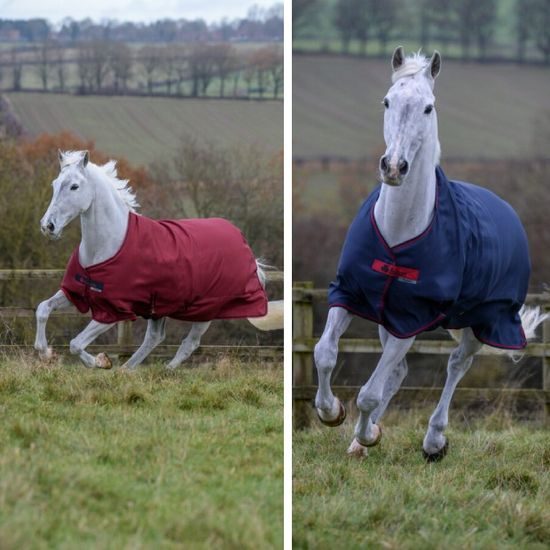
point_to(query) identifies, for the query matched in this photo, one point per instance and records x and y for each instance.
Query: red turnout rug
(193, 270)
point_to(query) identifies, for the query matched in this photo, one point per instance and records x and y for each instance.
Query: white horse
(405, 215)
(104, 204)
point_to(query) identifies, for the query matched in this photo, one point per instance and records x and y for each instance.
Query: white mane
(411, 66)
(109, 172)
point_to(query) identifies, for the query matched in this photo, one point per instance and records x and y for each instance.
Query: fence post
(125, 336)
(302, 363)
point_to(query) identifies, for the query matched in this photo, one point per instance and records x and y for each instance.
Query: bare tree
(121, 65)
(202, 68)
(169, 61)
(84, 67)
(236, 77)
(248, 75)
(485, 20)
(224, 61)
(301, 9)
(60, 66)
(150, 59)
(523, 19)
(276, 71)
(181, 67)
(347, 15)
(383, 14)
(43, 61)
(100, 62)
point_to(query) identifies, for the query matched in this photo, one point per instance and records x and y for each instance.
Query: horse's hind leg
(435, 444)
(190, 343)
(43, 311)
(154, 335)
(329, 409)
(79, 344)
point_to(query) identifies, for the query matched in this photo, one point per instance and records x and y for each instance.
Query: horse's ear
(85, 158)
(397, 58)
(60, 156)
(434, 66)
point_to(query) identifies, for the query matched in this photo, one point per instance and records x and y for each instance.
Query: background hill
(147, 129)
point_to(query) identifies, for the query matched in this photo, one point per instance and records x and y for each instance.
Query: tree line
(101, 67)
(470, 25)
(260, 25)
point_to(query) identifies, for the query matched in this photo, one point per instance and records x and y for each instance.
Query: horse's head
(72, 193)
(410, 118)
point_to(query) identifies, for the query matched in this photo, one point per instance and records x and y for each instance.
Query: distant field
(484, 111)
(152, 459)
(144, 129)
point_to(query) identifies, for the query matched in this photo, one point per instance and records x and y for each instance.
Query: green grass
(144, 129)
(151, 459)
(484, 110)
(491, 491)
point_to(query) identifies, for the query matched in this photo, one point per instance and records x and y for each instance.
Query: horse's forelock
(411, 66)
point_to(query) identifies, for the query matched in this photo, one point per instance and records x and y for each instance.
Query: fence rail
(303, 298)
(124, 345)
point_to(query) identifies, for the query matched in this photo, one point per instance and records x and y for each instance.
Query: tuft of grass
(111, 459)
(491, 491)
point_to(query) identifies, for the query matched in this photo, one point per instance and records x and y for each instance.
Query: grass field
(144, 129)
(491, 491)
(484, 111)
(153, 459)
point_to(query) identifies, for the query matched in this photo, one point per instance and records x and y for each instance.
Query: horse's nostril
(403, 167)
(384, 164)
(51, 227)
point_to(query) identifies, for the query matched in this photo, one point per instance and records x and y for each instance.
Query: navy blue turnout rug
(469, 268)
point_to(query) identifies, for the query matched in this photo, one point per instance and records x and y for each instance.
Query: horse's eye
(74, 187)
(428, 109)
(386, 102)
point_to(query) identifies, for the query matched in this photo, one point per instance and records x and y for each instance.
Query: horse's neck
(103, 225)
(403, 212)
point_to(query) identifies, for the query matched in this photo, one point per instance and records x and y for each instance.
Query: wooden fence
(125, 338)
(303, 296)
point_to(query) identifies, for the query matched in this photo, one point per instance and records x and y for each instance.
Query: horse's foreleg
(435, 443)
(154, 335)
(394, 381)
(329, 409)
(84, 339)
(43, 311)
(367, 433)
(190, 343)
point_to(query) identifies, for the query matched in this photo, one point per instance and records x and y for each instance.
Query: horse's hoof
(103, 361)
(47, 355)
(356, 450)
(436, 457)
(338, 420)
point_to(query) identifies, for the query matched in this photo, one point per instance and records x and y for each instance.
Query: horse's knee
(74, 347)
(325, 355)
(367, 400)
(42, 312)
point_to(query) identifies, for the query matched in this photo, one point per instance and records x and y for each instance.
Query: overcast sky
(129, 10)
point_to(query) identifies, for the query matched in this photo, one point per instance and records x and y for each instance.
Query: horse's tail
(531, 318)
(274, 319)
